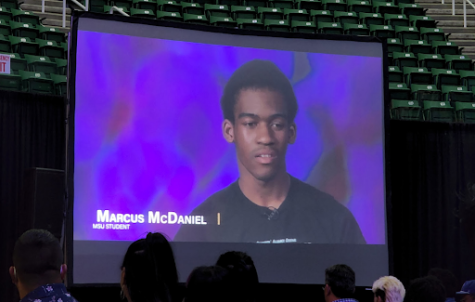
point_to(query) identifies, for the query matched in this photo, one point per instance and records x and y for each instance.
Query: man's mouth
(266, 158)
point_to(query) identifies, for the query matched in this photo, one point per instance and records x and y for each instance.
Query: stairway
(463, 37)
(53, 12)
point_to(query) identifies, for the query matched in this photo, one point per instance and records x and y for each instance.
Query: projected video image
(214, 143)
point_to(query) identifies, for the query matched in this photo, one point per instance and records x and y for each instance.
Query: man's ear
(228, 131)
(63, 271)
(12, 272)
(328, 290)
(378, 299)
(292, 133)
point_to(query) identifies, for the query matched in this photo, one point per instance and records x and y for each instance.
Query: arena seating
(430, 79)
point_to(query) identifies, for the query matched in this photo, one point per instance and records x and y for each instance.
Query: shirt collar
(346, 300)
(44, 291)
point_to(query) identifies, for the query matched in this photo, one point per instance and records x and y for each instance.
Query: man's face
(261, 132)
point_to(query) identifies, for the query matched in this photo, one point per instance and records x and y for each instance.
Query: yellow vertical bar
(219, 218)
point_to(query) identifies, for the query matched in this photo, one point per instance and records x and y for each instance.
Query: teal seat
(405, 110)
(250, 24)
(36, 82)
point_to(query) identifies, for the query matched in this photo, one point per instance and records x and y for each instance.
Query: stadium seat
(5, 28)
(404, 1)
(456, 94)
(422, 21)
(458, 62)
(417, 46)
(145, 4)
(41, 64)
(438, 111)
(422, 93)
(445, 77)
(195, 19)
(36, 82)
(468, 78)
(321, 16)
(5, 14)
(417, 75)
(432, 34)
(217, 10)
(296, 15)
(142, 13)
(17, 63)
(396, 20)
(251, 24)
(360, 6)
(168, 6)
(243, 12)
(192, 8)
(62, 66)
(277, 25)
(50, 33)
(404, 59)
(230, 2)
(23, 46)
(395, 45)
(282, 4)
(381, 31)
(169, 16)
(222, 21)
(25, 17)
(334, 5)
(411, 9)
(96, 6)
(9, 4)
(356, 29)
(395, 74)
(431, 61)
(346, 17)
(308, 4)
(50, 49)
(24, 30)
(270, 13)
(333, 28)
(304, 27)
(407, 32)
(371, 19)
(385, 8)
(465, 112)
(256, 3)
(203, 2)
(10, 82)
(5, 44)
(60, 84)
(399, 91)
(405, 110)
(445, 48)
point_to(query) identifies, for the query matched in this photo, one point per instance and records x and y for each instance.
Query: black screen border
(70, 112)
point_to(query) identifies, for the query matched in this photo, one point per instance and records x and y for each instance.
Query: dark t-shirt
(307, 215)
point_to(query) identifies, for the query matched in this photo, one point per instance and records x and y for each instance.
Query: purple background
(148, 129)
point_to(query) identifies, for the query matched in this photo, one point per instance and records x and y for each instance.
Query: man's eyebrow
(274, 116)
(241, 115)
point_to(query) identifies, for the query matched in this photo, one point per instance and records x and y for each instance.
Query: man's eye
(277, 125)
(250, 124)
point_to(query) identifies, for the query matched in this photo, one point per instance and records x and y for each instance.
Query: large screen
(227, 141)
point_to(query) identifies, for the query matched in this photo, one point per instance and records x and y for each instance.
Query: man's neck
(271, 193)
(24, 289)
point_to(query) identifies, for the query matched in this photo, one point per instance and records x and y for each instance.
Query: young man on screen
(266, 204)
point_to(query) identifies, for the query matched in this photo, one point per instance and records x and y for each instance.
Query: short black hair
(426, 289)
(341, 279)
(150, 270)
(209, 284)
(447, 278)
(36, 252)
(243, 274)
(258, 74)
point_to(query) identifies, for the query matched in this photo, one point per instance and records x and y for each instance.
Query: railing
(464, 2)
(84, 8)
